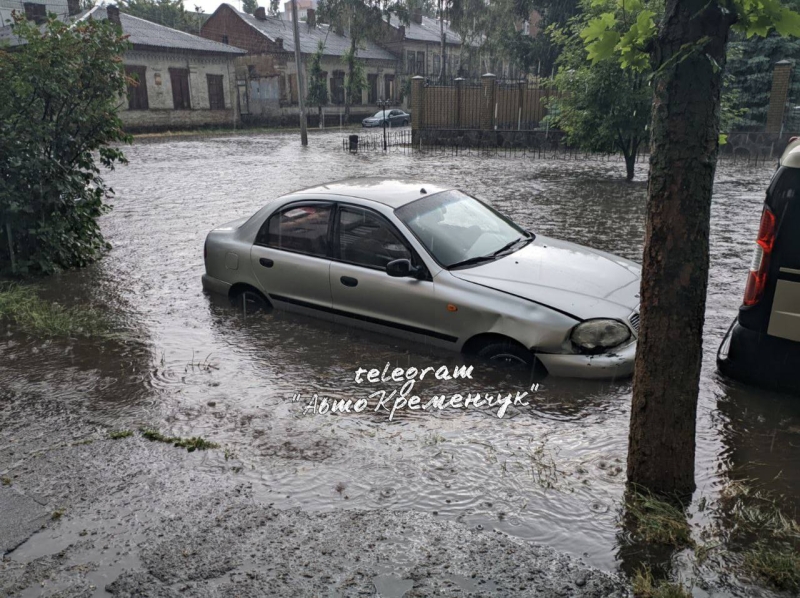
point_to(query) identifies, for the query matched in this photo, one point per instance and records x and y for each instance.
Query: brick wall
(779, 94)
(226, 24)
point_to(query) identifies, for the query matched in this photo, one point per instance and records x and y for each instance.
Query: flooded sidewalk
(287, 497)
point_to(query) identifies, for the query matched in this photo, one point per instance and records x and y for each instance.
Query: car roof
(791, 155)
(392, 192)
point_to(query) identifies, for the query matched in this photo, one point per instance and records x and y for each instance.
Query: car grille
(634, 320)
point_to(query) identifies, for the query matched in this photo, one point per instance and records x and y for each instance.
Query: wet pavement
(551, 473)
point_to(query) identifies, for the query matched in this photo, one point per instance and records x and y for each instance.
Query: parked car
(762, 345)
(434, 265)
(390, 118)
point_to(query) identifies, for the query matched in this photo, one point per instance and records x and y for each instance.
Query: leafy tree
(361, 19)
(686, 51)
(601, 106)
(170, 13)
(59, 94)
(249, 6)
(317, 86)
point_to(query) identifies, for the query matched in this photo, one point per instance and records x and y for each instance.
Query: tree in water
(59, 125)
(686, 52)
(317, 86)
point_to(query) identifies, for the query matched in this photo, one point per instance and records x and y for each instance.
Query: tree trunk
(630, 163)
(441, 33)
(688, 56)
(351, 64)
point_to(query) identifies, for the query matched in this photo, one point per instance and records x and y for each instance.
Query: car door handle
(349, 281)
(266, 262)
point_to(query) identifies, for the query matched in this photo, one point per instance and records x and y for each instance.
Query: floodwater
(551, 472)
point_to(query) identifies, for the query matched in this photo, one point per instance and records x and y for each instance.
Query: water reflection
(552, 472)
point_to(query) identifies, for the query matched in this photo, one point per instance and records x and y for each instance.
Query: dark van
(762, 345)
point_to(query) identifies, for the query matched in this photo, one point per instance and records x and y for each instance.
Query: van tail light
(759, 267)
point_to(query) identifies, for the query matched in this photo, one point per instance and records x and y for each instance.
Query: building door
(388, 84)
(372, 84)
(137, 92)
(180, 89)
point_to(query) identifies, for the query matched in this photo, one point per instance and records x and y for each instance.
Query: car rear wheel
(507, 354)
(249, 301)
(405, 123)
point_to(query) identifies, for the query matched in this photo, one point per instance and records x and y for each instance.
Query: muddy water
(551, 472)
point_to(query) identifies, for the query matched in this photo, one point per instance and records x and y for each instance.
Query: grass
(646, 586)
(119, 434)
(57, 514)
(656, 521)
(779, 566)
(195, 443)
(22, 306)
(6, 481)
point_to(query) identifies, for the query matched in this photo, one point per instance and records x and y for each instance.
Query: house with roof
(269, 73)
(418, 48)
(184, 80)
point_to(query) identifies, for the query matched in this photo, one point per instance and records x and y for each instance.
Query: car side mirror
(401, 268)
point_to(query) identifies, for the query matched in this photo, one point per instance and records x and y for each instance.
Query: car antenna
(423, 190)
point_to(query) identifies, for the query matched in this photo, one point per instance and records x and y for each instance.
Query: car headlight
(594, 336)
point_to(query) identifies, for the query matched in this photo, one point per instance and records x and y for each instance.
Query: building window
(337, 87)
(35, 12)
(420, 63)
(411, 61)
(372, 87)
(216, 95)
(180, 89)
(388, 87)
(224, 39)
(137, 87)
(436, 65)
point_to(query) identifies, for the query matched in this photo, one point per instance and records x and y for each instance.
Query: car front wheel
(508, 354)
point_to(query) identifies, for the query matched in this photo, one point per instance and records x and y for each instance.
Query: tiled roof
(335, 45)
(142, 33)
(427, 31)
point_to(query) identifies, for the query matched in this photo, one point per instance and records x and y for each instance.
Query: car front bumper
(618, 364)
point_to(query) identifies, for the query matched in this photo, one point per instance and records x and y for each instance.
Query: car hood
(583, 282)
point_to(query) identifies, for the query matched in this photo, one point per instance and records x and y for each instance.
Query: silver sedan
(432, 264)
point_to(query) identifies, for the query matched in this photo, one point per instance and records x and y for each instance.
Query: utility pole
(301, 88)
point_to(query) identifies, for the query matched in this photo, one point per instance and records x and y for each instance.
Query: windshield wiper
(491, 256)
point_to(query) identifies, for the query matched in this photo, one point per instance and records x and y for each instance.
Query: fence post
(778, 96)
(487, 101)
(417, 107)
(459, 99)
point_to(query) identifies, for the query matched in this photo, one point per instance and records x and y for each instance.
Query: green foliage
(601, 106)
(615, 33)
(195, 443)
(356, 80)
(653, 520)
(22, 306)
(119, 434)
(58, 117)
(170, 13)
(249, 6)
(646, 586)
(317, 86)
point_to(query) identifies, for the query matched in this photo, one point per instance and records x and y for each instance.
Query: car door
(397, 117)
(365, 295)
(291, 257)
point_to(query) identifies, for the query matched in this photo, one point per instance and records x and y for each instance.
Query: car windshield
(459, 230)
(380, 114)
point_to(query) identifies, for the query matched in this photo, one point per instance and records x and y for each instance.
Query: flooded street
(190, 364)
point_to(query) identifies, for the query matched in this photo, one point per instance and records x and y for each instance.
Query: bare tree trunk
(442, 39)
(688, 56)
(351, 64)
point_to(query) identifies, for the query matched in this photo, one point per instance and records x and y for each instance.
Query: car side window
(366, 239)
(299, 228)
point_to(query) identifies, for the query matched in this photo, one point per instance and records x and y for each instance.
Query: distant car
(388, 118)
(762, 345)
(433, 265)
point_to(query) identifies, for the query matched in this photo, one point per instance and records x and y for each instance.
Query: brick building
(267, 76)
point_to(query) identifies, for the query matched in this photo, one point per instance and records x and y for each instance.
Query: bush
(59, 92)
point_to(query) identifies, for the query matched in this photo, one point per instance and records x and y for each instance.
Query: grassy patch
(118, 434)
(195, 443)
(6, 481)
(779, 566)
(22, 306)
(646, 586)
(57, 514)
(656, 521)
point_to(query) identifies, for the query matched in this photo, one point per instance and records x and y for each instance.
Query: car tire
(508, 354)
(250, 301)
(405, 123)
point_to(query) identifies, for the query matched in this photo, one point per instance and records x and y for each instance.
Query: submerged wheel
(405, 123)
(507, 354)
(249, 301)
